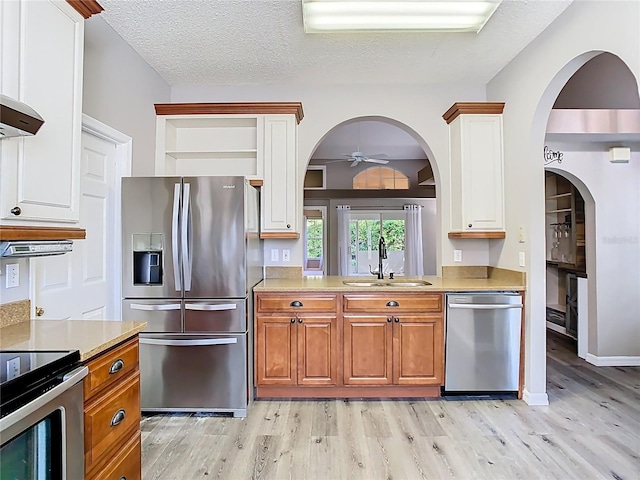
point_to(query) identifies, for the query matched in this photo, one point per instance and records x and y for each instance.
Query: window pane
(393, 232)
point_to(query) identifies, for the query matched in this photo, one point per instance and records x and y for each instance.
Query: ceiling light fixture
(321, 16)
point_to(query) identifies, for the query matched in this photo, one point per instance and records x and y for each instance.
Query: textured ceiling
(242, 42)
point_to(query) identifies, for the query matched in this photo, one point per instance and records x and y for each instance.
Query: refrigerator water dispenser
(147, 259)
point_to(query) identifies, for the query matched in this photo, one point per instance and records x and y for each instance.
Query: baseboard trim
(615, 361)
(535, 399)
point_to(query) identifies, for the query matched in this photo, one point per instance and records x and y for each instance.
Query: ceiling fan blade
(375, 160)
(337, 160)
(377, 155)
(355, 162)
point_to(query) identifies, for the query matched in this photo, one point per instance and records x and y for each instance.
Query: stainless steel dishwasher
(482, 351)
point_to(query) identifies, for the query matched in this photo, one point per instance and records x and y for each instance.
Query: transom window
(380, 178)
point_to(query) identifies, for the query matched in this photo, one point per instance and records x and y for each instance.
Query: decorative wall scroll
(552, 156)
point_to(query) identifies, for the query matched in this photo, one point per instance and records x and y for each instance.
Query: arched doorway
(581, 134)
(375, 165)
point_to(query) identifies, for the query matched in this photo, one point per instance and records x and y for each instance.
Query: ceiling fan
(357, 157)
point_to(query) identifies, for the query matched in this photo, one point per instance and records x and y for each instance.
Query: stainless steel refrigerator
(191, 257)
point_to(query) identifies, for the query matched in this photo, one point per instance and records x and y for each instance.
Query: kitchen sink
(386, 283)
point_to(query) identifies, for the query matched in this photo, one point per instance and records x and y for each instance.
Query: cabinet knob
(39, 311)
(16, 211)
(396, 319)
(299, 320)
(393, 303)
(389, 319)
(293, 320)
(296, 303)
(470, 225)
(288, 225)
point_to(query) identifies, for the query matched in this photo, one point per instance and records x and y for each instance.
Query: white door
(79, 285)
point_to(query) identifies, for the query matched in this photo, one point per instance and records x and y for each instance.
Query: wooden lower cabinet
(398, 350)
(112, 415)
(296, 350)
(387, 344)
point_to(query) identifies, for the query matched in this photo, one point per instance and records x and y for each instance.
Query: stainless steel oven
(41, 424)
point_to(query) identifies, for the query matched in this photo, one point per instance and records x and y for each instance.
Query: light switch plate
(274, 255)
(286, 255)
(521, 235)
(457, 255)
(521, 259)
(13, 275)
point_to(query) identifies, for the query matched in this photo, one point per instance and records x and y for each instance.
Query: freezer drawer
(160, 315)
(215, 316)
(189, 373)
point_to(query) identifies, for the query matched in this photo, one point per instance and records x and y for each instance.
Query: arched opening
(579, 104)
(376, 166)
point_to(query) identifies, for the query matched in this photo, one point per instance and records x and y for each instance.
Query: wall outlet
(13, 368)
(274, 255)
(457, 255)
(521, 259)
(286, 255)
(13, 275)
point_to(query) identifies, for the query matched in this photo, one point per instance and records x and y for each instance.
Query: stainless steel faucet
(382, 254)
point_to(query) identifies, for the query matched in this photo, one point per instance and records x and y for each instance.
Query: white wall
(614, 188)
(120, 89)
(419, 108)
(529, 86)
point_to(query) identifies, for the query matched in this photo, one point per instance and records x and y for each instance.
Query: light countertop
(335, 283)
(91, 337)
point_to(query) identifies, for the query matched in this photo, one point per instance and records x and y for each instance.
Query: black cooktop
(24, 375)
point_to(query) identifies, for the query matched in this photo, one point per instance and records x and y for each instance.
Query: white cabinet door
(477, 189)
(280, 189)
(42, 52)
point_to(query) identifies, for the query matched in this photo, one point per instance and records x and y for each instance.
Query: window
(380, 178)
(314, 240)
(365, 229)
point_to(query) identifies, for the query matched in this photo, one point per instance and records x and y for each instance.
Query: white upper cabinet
(254, 140)
(280, 189)
(477, 185)
(42, 54)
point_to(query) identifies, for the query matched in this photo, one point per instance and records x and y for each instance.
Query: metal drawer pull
(123, 478)
(116, 366)
(156, 307)
(393, 303)
(296, 303)
(118, 417)
(209, 308)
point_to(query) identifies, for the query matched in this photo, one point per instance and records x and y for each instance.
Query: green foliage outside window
(314, 238)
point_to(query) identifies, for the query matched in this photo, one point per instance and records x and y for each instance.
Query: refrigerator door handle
(174, 237)
(172, 342)
(208, 307)
(165, 306)
(484, 306)
(186, 248)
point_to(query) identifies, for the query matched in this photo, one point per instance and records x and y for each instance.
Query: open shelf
(558, 307)
(561, 210)
(560, 195)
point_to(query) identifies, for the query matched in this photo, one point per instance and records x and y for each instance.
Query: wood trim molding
(454, 235)
(41, 233)
(283, 235)
(256, 183)
(478, 108)
(86, 8)
(385, 391)
(261, 108)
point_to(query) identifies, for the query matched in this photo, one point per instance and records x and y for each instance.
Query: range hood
(17, 118)
(34, 248)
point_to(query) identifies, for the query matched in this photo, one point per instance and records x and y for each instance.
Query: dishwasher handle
(484, 306)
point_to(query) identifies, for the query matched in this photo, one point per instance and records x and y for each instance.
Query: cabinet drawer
(393, 302)
(126, 464)
(111, 367)
(307, 303)
(110, 419)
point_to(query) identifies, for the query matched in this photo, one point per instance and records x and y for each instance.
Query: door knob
(39, 311)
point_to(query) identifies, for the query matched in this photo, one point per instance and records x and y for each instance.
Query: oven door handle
(69, 380)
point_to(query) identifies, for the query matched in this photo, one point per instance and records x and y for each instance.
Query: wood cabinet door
(418, 350)
(317, 350)
(367, 350)
(276, 359)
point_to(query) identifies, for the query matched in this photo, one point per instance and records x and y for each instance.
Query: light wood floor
(590, 430)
